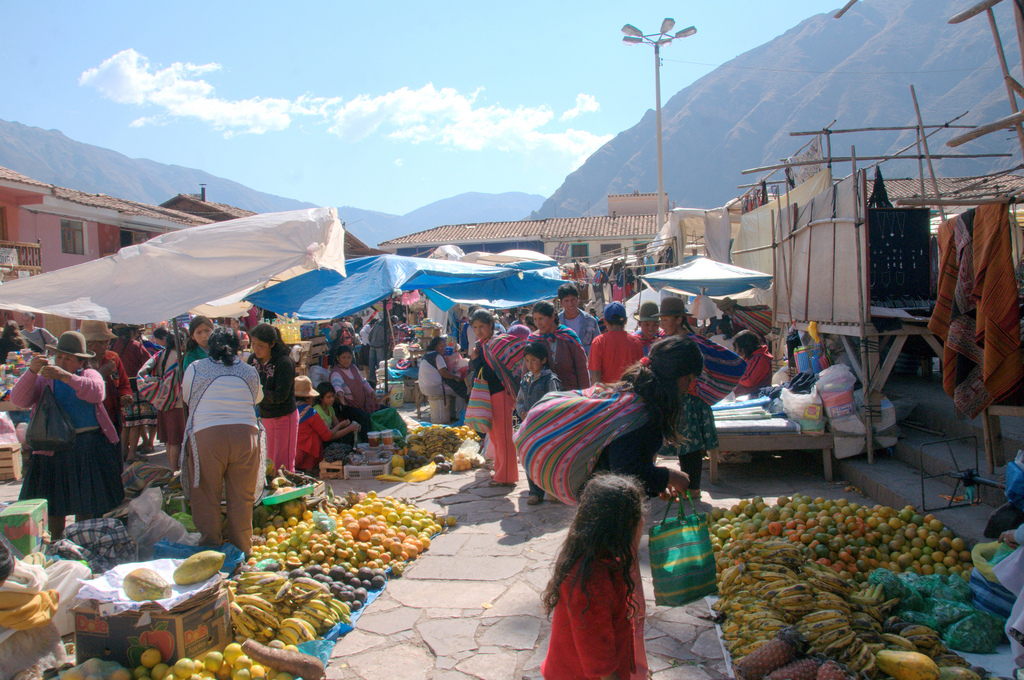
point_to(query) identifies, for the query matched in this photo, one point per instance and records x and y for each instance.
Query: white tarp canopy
(178, 271)
(526, 258)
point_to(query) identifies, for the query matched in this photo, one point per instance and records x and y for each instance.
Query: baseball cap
(615, 311)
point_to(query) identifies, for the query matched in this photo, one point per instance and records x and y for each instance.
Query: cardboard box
(23, 523)
(190, 629)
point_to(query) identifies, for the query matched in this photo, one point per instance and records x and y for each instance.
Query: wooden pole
(988, 128)
(982, 6)
(838, 159)
(920, 163)
(862, 272)
(927, 153)
(1006, 73)
(890, 128)
(847, 6)
(1018, 19)
(966, 200)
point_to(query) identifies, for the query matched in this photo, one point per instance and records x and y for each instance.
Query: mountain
(856, 70)
(49, 156)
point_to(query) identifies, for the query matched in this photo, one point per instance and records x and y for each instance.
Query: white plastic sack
(835, 385)
(148, 524)
(805, 409)
(66, 576)
(704, 308)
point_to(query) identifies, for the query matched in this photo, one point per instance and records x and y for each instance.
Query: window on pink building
(72, 237)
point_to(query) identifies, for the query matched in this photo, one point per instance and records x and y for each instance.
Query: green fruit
(199, 567)
(145, 584)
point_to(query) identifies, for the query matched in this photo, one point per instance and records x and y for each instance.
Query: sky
(380, 106)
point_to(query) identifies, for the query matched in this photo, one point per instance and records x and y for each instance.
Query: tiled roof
(600, 226)
(182, 201)
(126, 207)
(123, 206)
(911, 188)
(12, 176)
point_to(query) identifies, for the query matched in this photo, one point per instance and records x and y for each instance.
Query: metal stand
(968, 478)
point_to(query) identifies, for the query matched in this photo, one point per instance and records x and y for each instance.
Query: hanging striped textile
(722, 371)
(757, 318)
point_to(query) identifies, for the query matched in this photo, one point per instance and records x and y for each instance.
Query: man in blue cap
(614, 351)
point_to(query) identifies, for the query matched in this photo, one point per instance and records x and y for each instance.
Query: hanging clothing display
(981, 362)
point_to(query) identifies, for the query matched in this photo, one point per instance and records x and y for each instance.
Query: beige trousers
(229, 460)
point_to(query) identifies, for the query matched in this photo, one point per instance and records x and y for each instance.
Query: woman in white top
(436, 380)
(224, 451)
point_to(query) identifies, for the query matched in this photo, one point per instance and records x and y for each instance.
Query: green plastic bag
(979, 633)
(682, 560)
(919, 618)
(388, 419)
(948, 612)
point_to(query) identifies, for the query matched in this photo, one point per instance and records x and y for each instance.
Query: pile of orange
(849, 538)
(375, 532)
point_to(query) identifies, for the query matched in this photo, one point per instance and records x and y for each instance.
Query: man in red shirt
(614, 351)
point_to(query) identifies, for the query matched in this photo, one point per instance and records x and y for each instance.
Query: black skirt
(82, 480)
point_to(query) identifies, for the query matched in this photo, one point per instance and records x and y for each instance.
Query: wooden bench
(782, 441)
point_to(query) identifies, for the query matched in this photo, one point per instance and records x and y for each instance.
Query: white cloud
(399, 162)
(128, 78)
(426, 115)
(585, 103)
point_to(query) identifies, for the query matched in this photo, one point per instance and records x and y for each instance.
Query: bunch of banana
(323, 615)
(795, 601)
(782, 553)
(248, 626)
(898, 643)
(826, 600)
(926, 640)
(295, 630)
(822, 628)
(858, 657)
(826, 580)
(262, 583)
(871, 597)
(862, 622)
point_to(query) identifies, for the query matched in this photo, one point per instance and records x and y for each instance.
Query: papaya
(145, 584)
(199, 567)
(293, 508)
(906, 665)
(957, 673)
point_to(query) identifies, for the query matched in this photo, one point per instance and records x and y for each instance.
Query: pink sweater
(88, 387)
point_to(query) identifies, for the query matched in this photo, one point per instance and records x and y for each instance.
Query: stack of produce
(849, 538)
(774, 586)
(268, 606)
(246, 661)
(434, 444)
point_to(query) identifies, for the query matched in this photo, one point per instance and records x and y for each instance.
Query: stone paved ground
(470, 607)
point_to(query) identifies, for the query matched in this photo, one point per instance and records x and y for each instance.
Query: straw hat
(96, 330)
(73, 343)
(304, 387)
(648, 311)
(673, 306)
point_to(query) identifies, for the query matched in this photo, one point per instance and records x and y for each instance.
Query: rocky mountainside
(856, 70)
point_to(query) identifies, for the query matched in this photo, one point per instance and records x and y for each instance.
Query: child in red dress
(595, 577)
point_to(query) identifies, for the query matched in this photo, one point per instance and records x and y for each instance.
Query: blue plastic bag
(1015, 484)
(178, 551)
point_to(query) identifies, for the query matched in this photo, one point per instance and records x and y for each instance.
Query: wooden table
(782, 441)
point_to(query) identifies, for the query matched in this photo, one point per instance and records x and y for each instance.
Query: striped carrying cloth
(757, 318)
(504, 354)
(722, 371)
(565, 432)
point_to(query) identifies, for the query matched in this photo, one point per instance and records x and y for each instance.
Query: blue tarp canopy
(521, 289)
(326, 294)
(701, 276)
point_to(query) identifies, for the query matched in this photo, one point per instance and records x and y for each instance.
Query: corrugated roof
(600, 226)
(203, 208)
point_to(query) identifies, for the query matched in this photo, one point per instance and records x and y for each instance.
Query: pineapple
(765, 659)
(804, 669)
(831, 670)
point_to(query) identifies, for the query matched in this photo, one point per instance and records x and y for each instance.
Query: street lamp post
(635, 36)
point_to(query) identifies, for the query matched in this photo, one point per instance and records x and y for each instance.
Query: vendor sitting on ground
(759, 363)
(356, 398)
(435, 380)
(313, 431)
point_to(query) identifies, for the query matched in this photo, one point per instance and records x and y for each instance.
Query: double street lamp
(664, 37)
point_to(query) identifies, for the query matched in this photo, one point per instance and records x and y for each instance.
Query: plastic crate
(365, 471)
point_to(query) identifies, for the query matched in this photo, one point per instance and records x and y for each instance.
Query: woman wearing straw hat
(83, 480)
(313, 431)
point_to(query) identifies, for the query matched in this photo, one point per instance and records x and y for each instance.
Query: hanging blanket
(981, 362)
(565, 432)
(504, 354)
(722, 371)
(757, 319)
